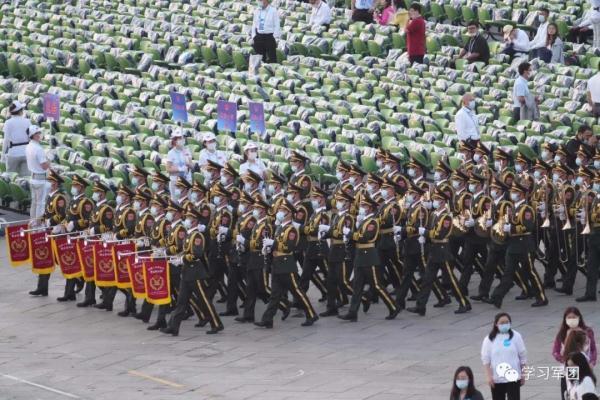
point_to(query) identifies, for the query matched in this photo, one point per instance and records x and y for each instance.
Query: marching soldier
(219, 237)
(181, 191)
(275, 191)
(139, 178)
(143, 233)
(501, 162)
(299, 176)
(228, 177)
(160, 184)
(392, 168)
(284, 269)
(366, 260)
(565, 205)
(252, 182)
(438, 232)
(55, 213)
(212, 175)
(591, 218)
(389, 217)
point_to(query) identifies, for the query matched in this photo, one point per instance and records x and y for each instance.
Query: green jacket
(286, 242)
(365, 239)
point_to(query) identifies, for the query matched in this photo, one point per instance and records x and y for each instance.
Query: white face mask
(379, 163)
(494, 194)
(362, 211)
(476, 157)
(437, 176)
(353, 180)
(74, 191)
(169, 217)
(211, 146)
(290, 198)
(194, 197)
(187, 224)
(472, 104)
(578, 161)
(340, 205)
(243, 208)
(248, 187)
(271, 189)
(462, 383)
(436, 204)
(153, 211)
(252, 155)
(294, 168)
(455, 184)
(135, 181)
(514, 196)
(537, 174)
(371, 188)
(387, 168)
(280, 216)
(409, 199)
(542, 18)
(177, 193)
(596, 187)
(386, 194)
(256, 214)
(472, 187)
(572, 322)
(579, 180)
(154, 186)
(461, 156)
(217, 200)
(411, 172)
(545, 155)
(339, 175)
(96, 196)
(119, 200)
(224, 180)
(315, 204)
(498, 165)
(207, 176)
(137, 205)
(555, 178)
(518, 168)
(556, 159)
(597, 164)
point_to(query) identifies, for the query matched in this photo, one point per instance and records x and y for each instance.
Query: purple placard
(226, 116)
(179, 107)
(51, 106)
(257, 117)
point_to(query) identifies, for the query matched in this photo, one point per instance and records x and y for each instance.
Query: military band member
(437, 234)
(299, 175)
(283, 267)
(584, 157)
(160, 184)
(389, 215)
(219, 238)
(465, 153)
(143, 233)
(392, 168)
(275, 191)
(212, 175)
(181, 190)
(252, 183)
(501, 166)
(565, 206)
(591, 218)
(366, 260)
(228, 178)
(139, 178)
(54, 214)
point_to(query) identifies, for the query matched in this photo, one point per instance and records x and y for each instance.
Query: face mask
(555, 178)
(497, 165)
(224, 181)
(578, 161)
(153, 211)
(462, 383)
(514, 196)
(74, 191)
(339, 176)
(154, 186)
(119, 200)
(353, 180)
(248, 187)
(243, 208)
(280, 216)
(271, 189)
(137, 205)
(386, 194)
(379, 163)
(596, 187)
(371, 188)
(96, 196)
(194, 196)
(455, 184)
(211, 146)
(472, 104)
(597, 164)
(494, 194)
(217, 200)
(556, 159)
(169, 217)
(340, 206)
(207, 176)
(545, 154)
(504, 328)
(187, 224)
(256, 214)
(180, 143)
(362, 211)
(537, 174)
(579, 180)
(476, 157)
(290, 198)
(572, 322)
(387, 168)
(409, 199)
(252, 155)
(472, 187)
(436, 204)
(542, 18)
(518, 168)
(437, 176)
(177, 193)
(294, 168)
(315, 204)
(412, 172)
(135, 181)
(461, 156)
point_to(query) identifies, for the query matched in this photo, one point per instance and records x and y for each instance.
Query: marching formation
(398, 235)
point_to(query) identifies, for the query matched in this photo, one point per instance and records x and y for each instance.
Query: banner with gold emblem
(86, 255)
(42, 259)
(156, 279)
(136, 272)
(104, 268)
(67, 256)
(18, 245)
(123, 278)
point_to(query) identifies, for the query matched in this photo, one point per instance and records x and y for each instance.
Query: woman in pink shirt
(384, 17)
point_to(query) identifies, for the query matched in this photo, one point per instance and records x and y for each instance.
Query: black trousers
(506, 391)
(516, 114)
(334, 279)
(188, 291)
(431, 271)
(470, 251)
(521, 263)
(218, 268)
(571, 264)
(494, 262)
(42, 284)
(281, 284)
(578, 35)
(416, 59)
(266, 46)
(391, 262)
(552, 256)
(412, 264)
(593, 263)
(70, 287)
(256, 288)
(365, 16)
(235, 286)
(310, 273)
(372, 276)
(90, 291)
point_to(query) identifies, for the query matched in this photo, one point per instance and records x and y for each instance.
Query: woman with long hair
(580, 377)
(463, 385)
(554, 46)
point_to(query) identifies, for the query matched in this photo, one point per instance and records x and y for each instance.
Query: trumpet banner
(18, 246)
(68, 257)
(122, 272)
(136, 272)
(104, 267)
(42, 257)
(156, 279)
(86, 255)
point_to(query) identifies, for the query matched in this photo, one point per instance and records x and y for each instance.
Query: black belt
(17, 144)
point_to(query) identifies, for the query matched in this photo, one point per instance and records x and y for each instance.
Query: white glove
(146, 242)
(223, 230)
(92, 231)
(397, 230)
(422, 231)
(201, 228)
(427, 205)
(470, 223)
(489, 223)
(266, 250)
(57, 229)
(581, 217)
(421, 239)
(346, 231)
(177, 261)
(240, 239)
(324, 228)
(561, 209)
(562, 216)
(268, 242)
(105, 236)
(542, 207)
(506, 228)
(296, 225)
(48, 223)
(140, 243)
(70, 226)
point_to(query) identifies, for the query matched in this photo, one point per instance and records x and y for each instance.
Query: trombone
(22, 232)
(582, 261)
(22, 221)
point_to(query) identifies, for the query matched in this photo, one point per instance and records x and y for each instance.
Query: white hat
(208, 137)
(32, 130)
(16, 106)
(177, 133)
(250, 146)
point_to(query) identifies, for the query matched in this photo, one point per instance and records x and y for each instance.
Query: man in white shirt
(541, 36)
(521, 90)
(320, 14)
(15, 140)
(265, 29)
(38, 164)
(516, 41)
(593, 94)
(179, 161)
(465, 121)
(210, 152)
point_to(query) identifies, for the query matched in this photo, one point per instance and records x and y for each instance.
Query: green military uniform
(219, 242)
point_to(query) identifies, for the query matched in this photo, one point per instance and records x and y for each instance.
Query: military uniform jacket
(520, 239)
(498, 209)
(80, 212)
(594, 219)
(221, 218)
(160, 229)
(261, 230)
(103, 219)
(400, 180)
(194, 267)
(303, 213)
(439, 233)
(144, 226)
(176, 238)
(240, 253)
(389, 216)
(302, 180)
(479, 205)
(126, 222)
(416, 217)
(338, 250)
(365, 237)
(286, 241)
(56, 208)
(316, 248)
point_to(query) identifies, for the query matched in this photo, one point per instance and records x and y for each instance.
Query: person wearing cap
(283, 267)
(252, 161)
(15, 140)
(416, 171)
(547, 152)
(275, 190)
(522, 166)
(194, 274)
(265, 30)
(516, 41)
(180, 192)
(392, 168)
(501, 162)
(465, 121)
(179, 160)
(593, 252)
(54, 215)
(299, 176)
(442, 172)
(159, 185)
(38, 164)
(367, 263)
(252, 183)
(389, 217)
(583, 157)
(518, 229)
(210, 152)
(139, 178)
(212, 175)
(437, 233)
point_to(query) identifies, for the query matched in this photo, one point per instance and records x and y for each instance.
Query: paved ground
(56, 351)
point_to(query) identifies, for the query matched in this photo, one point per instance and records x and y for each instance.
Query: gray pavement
(51, 350)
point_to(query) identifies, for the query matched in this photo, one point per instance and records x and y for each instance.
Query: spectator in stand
(463, 386)
(522, 97)
(362, 10)
(465, 121)
(16, 139)
(516, 41)
(582, 29)
(265, 29)
(320, 14)
(593, 94)
(585, 382)
(582, 138)
(401, 16)
(594, 19)
(210, 152)
(415, 34)
(386, 14)
(540, 38)
(553, 52)
(477, 48)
